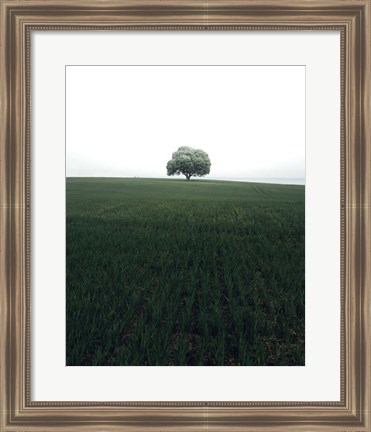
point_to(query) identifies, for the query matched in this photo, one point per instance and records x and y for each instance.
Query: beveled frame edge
(18, 18)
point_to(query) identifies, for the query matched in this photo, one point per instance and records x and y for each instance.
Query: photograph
(185, 215)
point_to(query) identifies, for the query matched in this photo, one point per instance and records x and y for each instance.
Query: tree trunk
(188, 176)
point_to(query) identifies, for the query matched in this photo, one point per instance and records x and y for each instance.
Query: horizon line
(170, 178)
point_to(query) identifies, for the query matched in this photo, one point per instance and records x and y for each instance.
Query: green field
(170, 272)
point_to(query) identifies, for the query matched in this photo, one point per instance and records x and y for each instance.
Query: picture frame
(18, 19)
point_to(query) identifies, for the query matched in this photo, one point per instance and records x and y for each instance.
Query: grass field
(170, 272)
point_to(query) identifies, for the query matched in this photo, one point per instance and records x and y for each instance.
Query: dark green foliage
(166, 272)
(189, 162)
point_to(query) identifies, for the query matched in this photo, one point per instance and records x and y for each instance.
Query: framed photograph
(185, 228)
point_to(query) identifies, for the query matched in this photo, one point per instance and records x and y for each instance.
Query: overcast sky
(126, 121)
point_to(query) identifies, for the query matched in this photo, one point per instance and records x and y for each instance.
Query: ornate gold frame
(18, 19)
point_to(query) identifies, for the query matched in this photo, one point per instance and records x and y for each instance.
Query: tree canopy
(189, 162)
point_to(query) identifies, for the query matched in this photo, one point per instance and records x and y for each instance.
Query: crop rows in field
(168, 272)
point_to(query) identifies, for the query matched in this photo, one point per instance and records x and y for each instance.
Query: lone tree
(189, 162)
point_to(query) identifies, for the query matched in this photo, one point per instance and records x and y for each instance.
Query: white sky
(125, 121)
